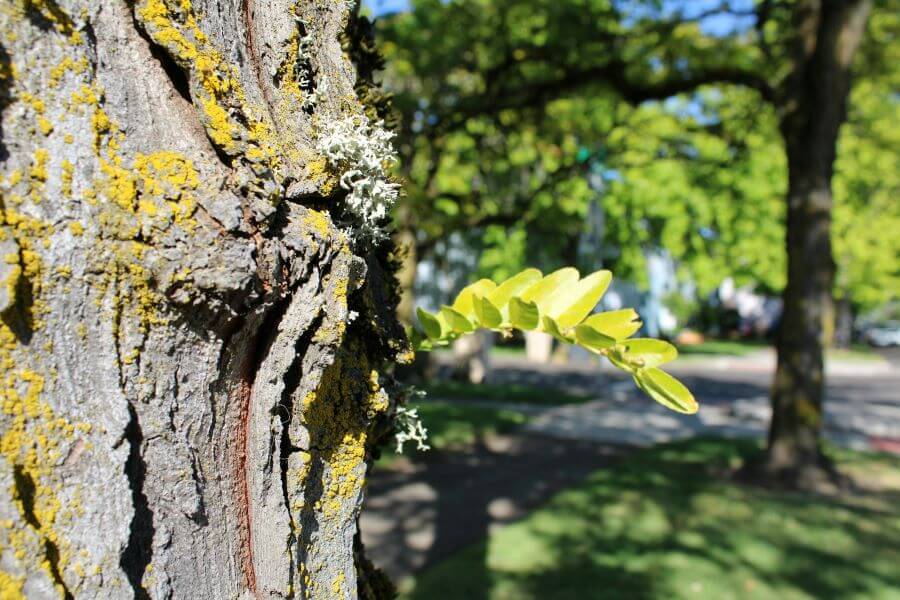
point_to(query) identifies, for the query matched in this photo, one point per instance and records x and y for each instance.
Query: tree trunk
(472, 357)
(812, 113)
(405, 240)
(194, 322)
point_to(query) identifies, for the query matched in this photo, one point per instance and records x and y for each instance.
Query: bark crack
(25, 489)
(179, 79)
(292, 379)
(139, 551)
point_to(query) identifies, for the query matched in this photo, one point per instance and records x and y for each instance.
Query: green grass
(854, 352)
(666, 524)
(510, 351)
(452, 425)
(710, 348)
(513, 393)
(514, 351)
(722, 348)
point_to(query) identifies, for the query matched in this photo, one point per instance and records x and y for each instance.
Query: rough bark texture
(191, 342)
(813, 107)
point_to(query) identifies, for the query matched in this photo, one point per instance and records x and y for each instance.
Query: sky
(718, 24)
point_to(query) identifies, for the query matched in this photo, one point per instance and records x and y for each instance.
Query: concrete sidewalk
(763, 361)
(639, 423)
(862, 408)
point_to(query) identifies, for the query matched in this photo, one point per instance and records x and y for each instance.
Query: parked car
(883, 335)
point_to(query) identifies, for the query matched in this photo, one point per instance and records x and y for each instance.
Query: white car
(882, 336)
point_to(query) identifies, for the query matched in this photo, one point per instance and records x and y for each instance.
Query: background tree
(197, 310)
(796, 59)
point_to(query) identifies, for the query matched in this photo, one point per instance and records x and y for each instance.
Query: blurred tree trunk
(421, 368)
(405, 240)
(472, 357)
(843, 323)
(812, 110)
(538, 347)
(189, 401)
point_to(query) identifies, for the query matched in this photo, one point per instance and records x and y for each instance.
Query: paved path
(862, 407)
(420, 513)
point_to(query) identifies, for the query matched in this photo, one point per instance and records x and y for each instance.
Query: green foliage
(866, 185)
(559, 304)
(498, 127)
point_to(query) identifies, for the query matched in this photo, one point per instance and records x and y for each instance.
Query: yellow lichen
(318, 222)
(66, 178)
(53, 14)
(45, 125)
(31, 441)
(67, 64)
(229, 121)
(11, 587)
(38, 171)
(337, 586)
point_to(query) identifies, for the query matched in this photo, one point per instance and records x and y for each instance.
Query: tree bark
(812, 111)
(193, 332)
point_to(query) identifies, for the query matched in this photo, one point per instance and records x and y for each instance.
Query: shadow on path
(419, 513)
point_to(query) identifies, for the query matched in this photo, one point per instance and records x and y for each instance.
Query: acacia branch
(613, 74)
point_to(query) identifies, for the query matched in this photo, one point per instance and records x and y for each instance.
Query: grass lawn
(746, 347)
(722, 348)
(665, 523)
(523, 394)
(854, 352)
(514, 351)
(452, 425)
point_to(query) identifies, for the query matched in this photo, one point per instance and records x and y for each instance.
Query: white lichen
(410, 428)
(363, 153)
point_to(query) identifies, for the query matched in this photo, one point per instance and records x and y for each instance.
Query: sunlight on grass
(711, 348)
(666, 524)
(722, 348)
(455, 425)
(512, 393)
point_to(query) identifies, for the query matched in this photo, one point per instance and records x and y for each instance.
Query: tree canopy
(506, 105)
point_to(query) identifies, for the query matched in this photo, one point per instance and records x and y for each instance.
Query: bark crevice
(176, 75)
(179, 78)
(292, 381)
(25, 490)
(139, 551)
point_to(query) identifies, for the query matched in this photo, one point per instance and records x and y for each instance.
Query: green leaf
(593, 340)
(488, 314)
(647, 352)
(513, 286)
(666, 390)
(618, 361)
(617, 324)
(463, 303)
(415, 338)
(455, 320)
(571, 305)
(520, 302)
(430, 324)
(522, 314)
(542, 291)
(550, 326)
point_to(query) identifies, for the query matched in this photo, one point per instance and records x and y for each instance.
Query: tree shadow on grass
(421, 514)
(666, 523)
